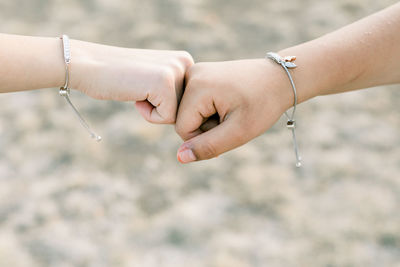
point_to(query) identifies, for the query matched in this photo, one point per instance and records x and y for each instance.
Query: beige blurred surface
(68, 201)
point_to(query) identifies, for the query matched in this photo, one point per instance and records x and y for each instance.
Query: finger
(194, 110)
(224, 137)
(165, 113)
(149, 112)
(210, 123)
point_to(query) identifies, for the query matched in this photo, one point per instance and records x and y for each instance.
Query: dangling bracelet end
(288, 63)
(65, 90)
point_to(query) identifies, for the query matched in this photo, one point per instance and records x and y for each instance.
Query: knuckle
(180, 129)
(176, 67)
(186, 58)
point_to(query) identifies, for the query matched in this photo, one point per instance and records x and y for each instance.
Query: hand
(152, 78)
(226, 104)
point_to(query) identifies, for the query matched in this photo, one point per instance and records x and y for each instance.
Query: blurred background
(68, 201)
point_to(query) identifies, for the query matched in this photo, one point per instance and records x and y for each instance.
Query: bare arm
(226, 104)
(152, 78)
(361, 55)
(28, 63)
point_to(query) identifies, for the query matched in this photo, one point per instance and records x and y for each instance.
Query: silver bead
(64, 91)
(291, 124)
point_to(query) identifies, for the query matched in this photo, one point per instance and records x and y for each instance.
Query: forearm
(28, 63)
(361, 55)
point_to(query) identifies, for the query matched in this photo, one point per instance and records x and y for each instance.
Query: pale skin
(154, 79)
(226, 104)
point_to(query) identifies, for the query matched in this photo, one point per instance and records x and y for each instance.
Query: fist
(226, 104)
(151, 78)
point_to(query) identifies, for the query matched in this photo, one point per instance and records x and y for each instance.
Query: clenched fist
(152, 78)
(226, 104)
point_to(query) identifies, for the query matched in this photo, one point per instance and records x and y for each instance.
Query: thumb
(224, 137)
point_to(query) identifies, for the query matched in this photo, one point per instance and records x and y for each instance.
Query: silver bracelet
(287, 63)
(65, 90)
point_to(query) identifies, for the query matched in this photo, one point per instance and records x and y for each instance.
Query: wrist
(321, 69)
(307, 84)
(77, 65)
(274, 79)
(83, 64)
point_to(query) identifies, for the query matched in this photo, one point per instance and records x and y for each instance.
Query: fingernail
(186, 155)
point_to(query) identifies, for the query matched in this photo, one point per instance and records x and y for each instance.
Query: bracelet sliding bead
(288, 63)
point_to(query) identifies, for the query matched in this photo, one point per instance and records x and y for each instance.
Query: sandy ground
(68, 201)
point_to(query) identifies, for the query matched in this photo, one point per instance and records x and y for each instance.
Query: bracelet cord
(287, 63)
(65, 90)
